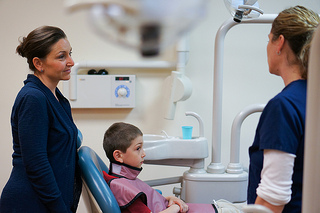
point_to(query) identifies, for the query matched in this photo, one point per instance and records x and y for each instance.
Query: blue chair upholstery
(79, 139)
(91, 167)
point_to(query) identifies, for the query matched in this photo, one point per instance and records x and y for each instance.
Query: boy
(123, 144)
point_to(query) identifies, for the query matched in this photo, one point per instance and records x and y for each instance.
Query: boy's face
(135, 153)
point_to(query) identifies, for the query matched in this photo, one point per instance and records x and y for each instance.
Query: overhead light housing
(243, 9)
(147, 25)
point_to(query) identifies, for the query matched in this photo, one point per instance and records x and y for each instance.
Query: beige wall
(246, 77)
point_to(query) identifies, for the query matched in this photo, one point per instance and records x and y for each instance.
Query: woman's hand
(174, 200)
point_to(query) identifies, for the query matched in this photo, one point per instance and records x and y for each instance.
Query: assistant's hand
(174, 200)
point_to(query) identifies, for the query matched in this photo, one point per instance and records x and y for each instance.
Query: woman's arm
(274, 190)
(275, 209)
(33, 127)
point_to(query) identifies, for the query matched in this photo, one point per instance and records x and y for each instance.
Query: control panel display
(101, 91)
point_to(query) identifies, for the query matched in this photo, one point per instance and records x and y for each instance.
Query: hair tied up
(38, 43)
(21, 47)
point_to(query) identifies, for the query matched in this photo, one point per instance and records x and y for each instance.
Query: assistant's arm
(274, 190)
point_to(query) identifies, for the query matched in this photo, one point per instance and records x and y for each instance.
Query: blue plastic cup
(187, 132)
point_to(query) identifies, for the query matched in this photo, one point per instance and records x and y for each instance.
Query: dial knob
(122, 92)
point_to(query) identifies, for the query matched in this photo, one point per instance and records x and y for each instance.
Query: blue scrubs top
(281, 127)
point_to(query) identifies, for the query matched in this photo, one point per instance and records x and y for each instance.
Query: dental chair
(91, 167)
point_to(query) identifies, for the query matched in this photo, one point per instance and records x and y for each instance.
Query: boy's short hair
(119, 137)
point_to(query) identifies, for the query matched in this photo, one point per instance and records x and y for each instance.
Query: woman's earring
(278, 53)
(41, 70)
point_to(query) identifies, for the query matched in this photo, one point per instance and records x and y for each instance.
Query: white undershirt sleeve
(276, 177)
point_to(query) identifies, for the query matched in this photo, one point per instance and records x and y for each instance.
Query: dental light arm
(240, 9)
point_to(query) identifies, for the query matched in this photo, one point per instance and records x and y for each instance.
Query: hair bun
(21, 47)
(38, 43)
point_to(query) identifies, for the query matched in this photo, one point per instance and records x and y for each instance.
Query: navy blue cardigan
(45, 175)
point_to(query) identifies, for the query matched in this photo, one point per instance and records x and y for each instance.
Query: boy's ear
(117, 155)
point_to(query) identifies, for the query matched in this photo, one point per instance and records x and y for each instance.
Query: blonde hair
(297, 25)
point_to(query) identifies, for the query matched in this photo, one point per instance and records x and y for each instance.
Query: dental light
(147, 25)
(240, 9)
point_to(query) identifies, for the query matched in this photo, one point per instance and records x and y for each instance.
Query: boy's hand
(174, 200)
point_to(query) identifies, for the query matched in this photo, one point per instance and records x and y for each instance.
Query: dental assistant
(276, 155)
(45, 176)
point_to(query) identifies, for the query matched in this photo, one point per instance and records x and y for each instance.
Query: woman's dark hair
(38, 43)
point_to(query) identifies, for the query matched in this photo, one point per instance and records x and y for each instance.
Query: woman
(276, 156)
(45, 176)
